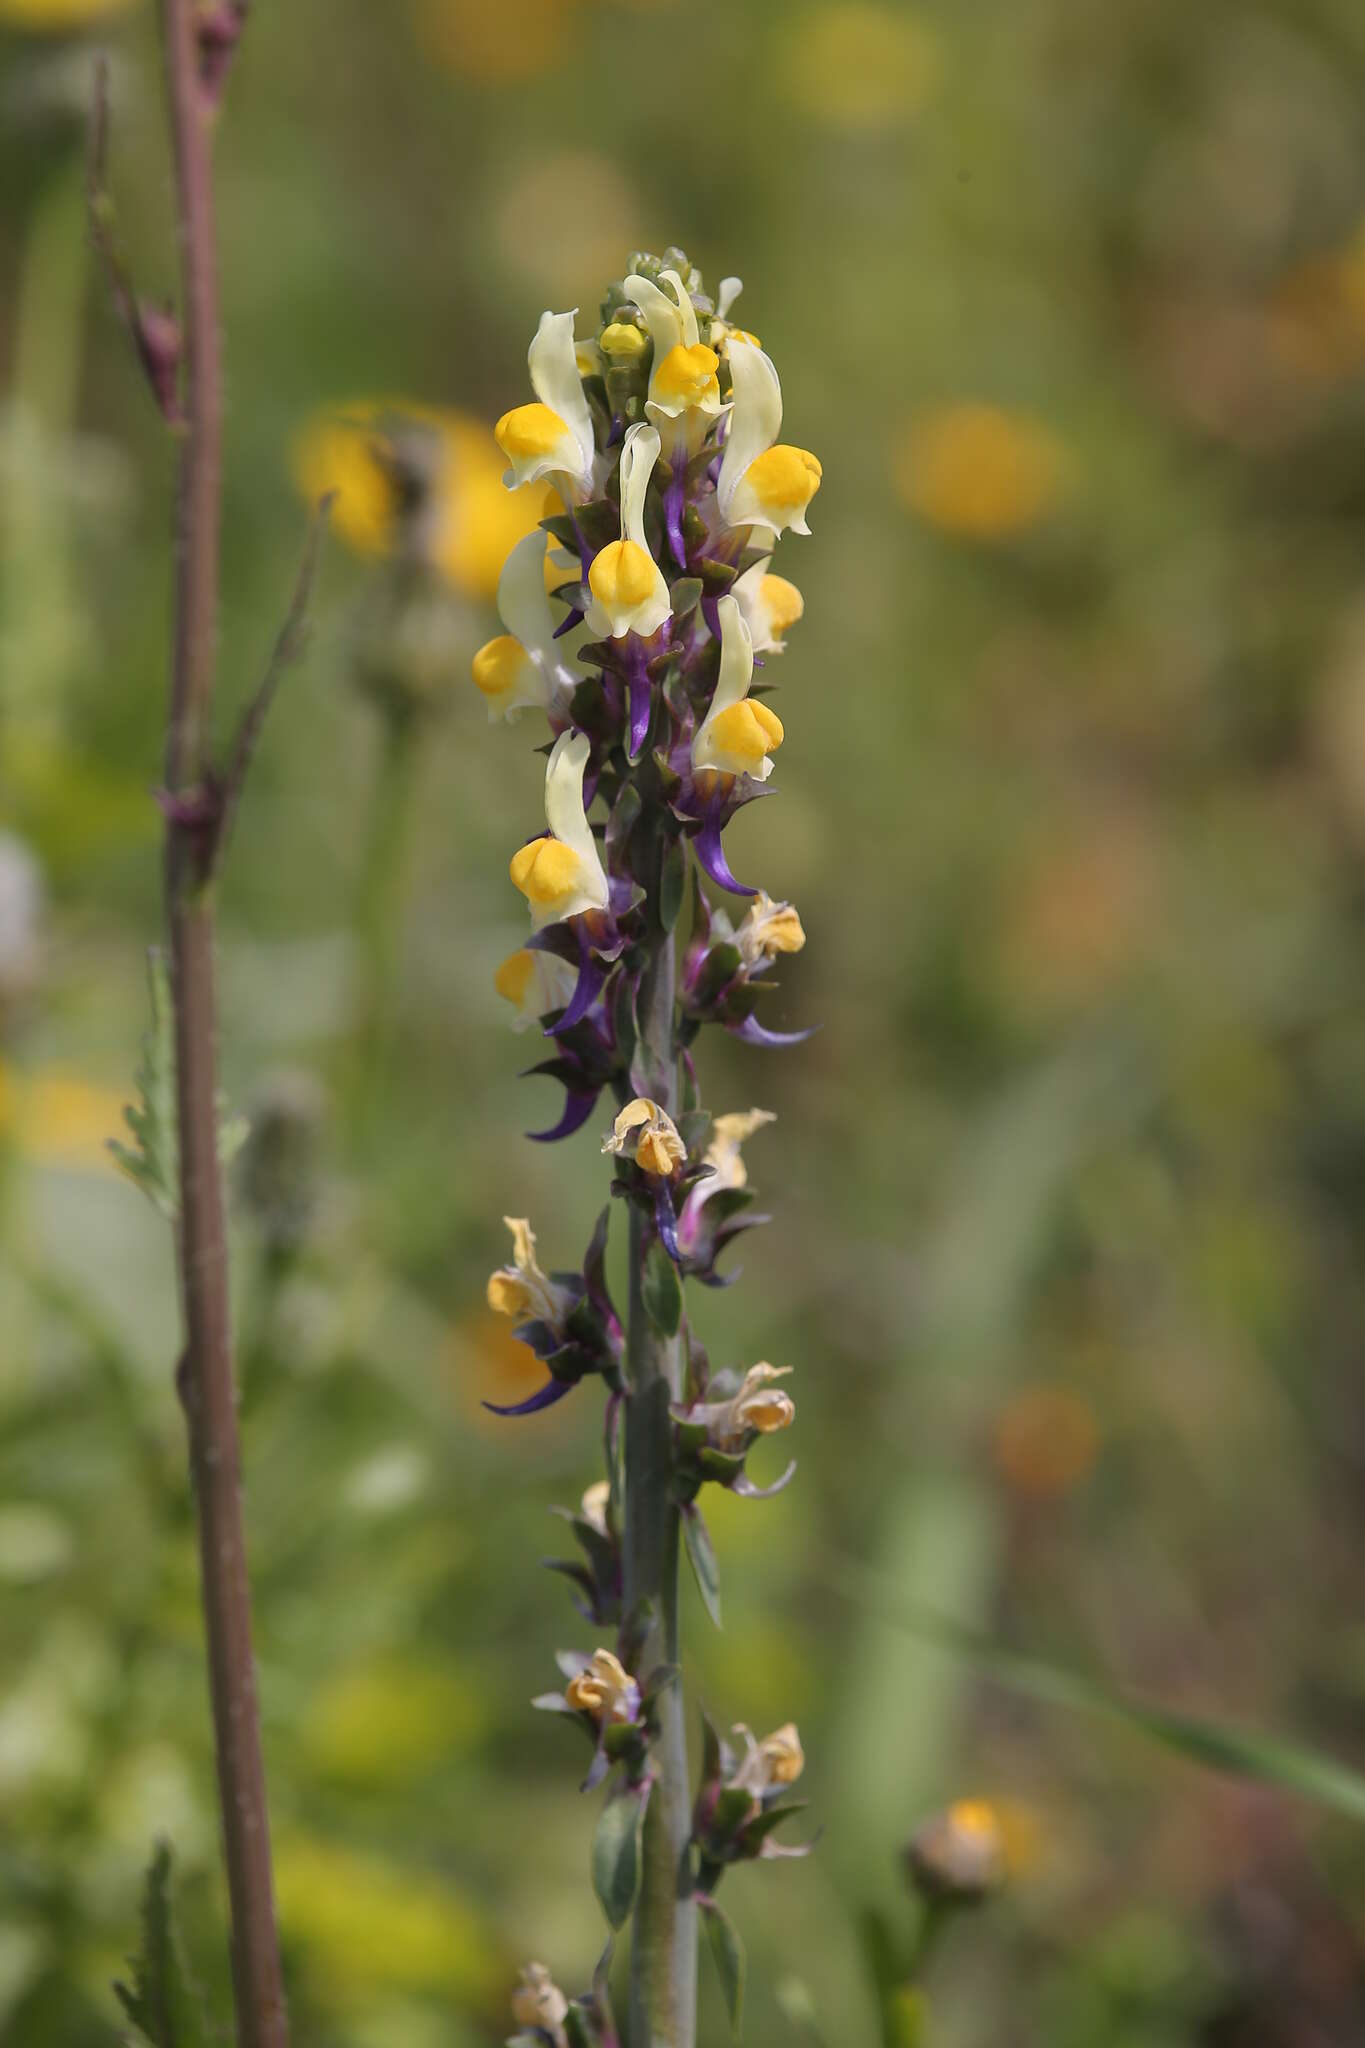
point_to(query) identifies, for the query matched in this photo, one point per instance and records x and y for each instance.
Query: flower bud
(958, 1854)
(622, 343)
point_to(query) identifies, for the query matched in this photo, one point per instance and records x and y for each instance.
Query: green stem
(663, 1980)
(379, 914)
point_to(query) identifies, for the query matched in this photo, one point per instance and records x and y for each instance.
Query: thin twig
(288, 646)
(208, 1379)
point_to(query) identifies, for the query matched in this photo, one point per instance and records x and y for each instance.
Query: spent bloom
(760, 1408)
(539, 2002)
(604, 1689)
(772, 1764)
(767, 929)
(522, 1290)
(723, 1154)
(648, 1135)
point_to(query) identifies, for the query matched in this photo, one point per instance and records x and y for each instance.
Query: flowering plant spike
(643, 622)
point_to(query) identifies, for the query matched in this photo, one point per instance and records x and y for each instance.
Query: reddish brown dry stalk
(207, 1379)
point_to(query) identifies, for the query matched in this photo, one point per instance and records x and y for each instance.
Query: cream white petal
(565, 813)
(727, 292)
(663, 315)
(525, 609)
(556, 382)
(755, 418)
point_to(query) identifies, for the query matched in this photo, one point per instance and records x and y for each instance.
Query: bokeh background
(1070, 300)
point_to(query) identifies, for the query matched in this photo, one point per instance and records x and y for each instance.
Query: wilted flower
(768, 928)
(774, 1763)
(562, 875)
(604, 1689)
(522, 1290)
(758, 1409)
(958, 1854)
(647, 1134)
(728, 1134)
(539, 2002)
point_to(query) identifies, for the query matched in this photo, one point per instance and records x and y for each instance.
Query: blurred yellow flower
(1316, 318)
(361, 1922)
(471, 524)
(498, 44)
(385, 1723)
(53, 17)
(980, 472)
(1045, 1441)
(858, 67)
(59, 1118)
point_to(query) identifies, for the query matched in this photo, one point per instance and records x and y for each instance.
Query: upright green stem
(663, 1984)
(207, 1375)
(379, 914)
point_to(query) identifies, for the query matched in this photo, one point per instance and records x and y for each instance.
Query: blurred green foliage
(1070, 301)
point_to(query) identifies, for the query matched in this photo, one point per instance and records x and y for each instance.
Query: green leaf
(152, 1161)
(661, 1292)
(617, 1857)
(727, 1951)
(1240, 1752)
(702, 1558)
(160, 2002)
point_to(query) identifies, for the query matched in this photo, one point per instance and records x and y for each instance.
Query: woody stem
(663, 1980)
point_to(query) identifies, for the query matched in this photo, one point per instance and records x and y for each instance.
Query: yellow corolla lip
(522, 1290)
(738, 734)
(562, 876)
(534, 983)
(499, 666)
(628, 590)
(776, 489)
(686, 377)
(553, 436)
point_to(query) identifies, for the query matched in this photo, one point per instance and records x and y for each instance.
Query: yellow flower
(768, 928)
(728, 1134)
(501, 44)
(857, 67)
(553, 437)
(527, 665)
(738, 734)
(629, 590)
(979, 472)
(467, 523)
(770, 605)
(684, 390)
(53, 17)
(777, 1761)
(562, 876)
(647, 1134)
(539, 2002)
(534, 983)
(960, 1853)
(522, 1290)
(762, 481)
(604, 1689)
(59, 1118)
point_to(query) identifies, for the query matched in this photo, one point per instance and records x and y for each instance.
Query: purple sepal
(715, 1279)
(640, 702)
(754, 1033)
(552, 1391)
(674, 500)
(712, 857)
(710, 611)
(744, 1485)
(600, 1765)
(569, 621)
(666, 1221)
(577, 1109)
(586, 991)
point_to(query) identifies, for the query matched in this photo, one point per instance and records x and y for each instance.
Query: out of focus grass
(1070, 301)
